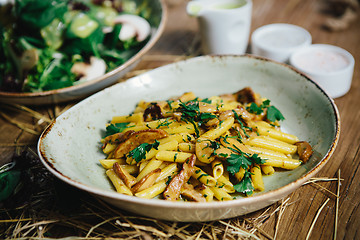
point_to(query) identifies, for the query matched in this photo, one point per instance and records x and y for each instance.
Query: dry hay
(43, 207)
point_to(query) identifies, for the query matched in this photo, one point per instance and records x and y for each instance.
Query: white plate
(70, 146)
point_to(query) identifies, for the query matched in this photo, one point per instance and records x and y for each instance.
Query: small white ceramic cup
(329, 66)
(279, 40)
(224, 25)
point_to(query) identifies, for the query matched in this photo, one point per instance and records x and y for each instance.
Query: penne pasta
(220, 194)
(217, 168)
(118, 183)
(199, 149)
(257, 179)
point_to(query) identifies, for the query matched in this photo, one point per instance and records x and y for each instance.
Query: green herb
(237, 161)
(191, 113)
(273, 114)
(165, 123)
(241, 124)
(242, 160)
(169, 102)
(57, 36)
(139, 152)
(115, 128)
(245, 185)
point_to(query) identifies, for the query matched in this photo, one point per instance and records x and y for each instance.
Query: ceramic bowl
(157, 20)
(278, 41)
(70, 146)
(329, 66)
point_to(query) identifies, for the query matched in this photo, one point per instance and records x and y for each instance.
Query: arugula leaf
(39, 14)
(273, 114)
(245, 185)
(115, 128)
(139, 152)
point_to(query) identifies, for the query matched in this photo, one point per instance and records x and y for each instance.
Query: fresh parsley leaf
(115, 128)
(273, 114)
(206, 116)
(206, 100)
(245, 185)
(237, 161)
(256, 159)
(254, 108)
(139, 152)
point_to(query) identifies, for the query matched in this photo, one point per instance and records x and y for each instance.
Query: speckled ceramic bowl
(157, 19)
(70, 146)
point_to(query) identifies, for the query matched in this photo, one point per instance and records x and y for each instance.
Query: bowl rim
(286, 189)
(152, 41)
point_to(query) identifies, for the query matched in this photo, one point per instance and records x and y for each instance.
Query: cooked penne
(225, 183)
(257, 179)
(118, 183)
(266, 129)
(150, 166)
(197, 149)
(220, 130)
(280, 162)
(272, 144)
(217, 168)
(220, 194)
(267, 170)
(204, 178)
(136, 117)
(152, 191)
(172, 156)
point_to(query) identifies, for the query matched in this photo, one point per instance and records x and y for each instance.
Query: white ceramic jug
(224, 25)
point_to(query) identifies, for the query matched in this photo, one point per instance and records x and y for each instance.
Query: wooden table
(307, 210)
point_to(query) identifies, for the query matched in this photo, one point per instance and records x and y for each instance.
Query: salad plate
(65, 51)
(70, 147)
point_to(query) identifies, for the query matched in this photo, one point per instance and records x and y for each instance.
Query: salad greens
(41, 42)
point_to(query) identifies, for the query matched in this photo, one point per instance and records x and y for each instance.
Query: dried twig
(24, 126)
(316, 217)
(337, 206)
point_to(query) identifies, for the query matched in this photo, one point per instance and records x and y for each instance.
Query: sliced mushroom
(245, 95)
(133, 26)
(137, 138)
(304, 150)
(88, 71)
(153, 112)
(191, 194)
(126, 177)
(118, 137)
(147, 181)
(173, 190)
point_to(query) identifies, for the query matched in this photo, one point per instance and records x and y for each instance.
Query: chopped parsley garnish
(139, 152)
(191, 113)
(243, 160)
(115, 128)
(237, 161)
(245, 185)
(273, 114)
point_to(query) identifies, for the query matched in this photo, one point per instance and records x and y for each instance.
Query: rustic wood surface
(180, 38)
